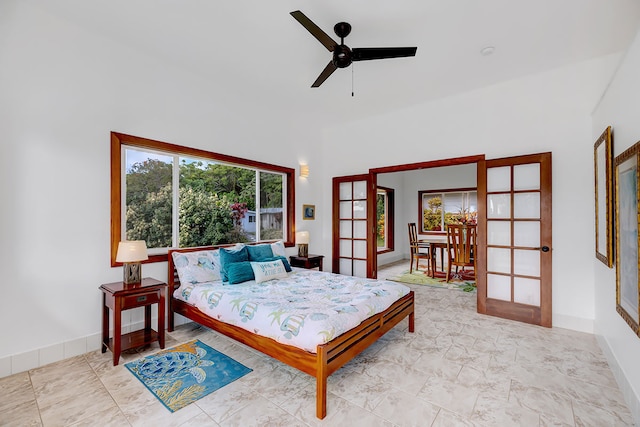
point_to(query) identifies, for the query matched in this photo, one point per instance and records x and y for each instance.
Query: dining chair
(418, 250)
(461, 247)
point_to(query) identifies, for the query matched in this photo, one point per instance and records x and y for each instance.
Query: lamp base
(132, 273)
(303, 249)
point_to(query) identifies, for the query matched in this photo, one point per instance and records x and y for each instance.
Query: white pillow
(268, 270)
(278, 249)
(197, 267)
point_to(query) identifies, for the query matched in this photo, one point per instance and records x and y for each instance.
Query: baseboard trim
(630, 397)
(22, 362)
(574, 323)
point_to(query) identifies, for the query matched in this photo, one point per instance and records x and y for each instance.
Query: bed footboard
(337, 352)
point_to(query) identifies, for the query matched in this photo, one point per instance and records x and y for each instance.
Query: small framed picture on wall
(602, 153)
(308, 211)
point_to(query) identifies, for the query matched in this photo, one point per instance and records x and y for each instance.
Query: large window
(437, 208)
(384, 219)
(173, 196)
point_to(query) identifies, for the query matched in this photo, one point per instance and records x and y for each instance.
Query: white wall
(63, 89)
(545, 112)
(620, 109)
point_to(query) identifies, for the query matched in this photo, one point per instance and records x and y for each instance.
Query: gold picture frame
(308, 212)
(627, 208)
(602, 155)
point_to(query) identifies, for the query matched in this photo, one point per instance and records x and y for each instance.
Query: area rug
(183, 374)
(418, 277)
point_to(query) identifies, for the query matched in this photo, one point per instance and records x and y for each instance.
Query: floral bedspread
(305, 309)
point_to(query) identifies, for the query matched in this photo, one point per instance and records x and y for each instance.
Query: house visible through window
(175, 196)
(440, 207)
(384, 219)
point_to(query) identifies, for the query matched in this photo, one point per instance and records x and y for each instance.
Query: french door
(353, 242)
(514, 238)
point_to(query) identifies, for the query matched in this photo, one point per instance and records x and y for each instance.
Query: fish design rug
(185, 373)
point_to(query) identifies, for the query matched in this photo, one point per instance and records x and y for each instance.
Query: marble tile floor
(459, 368)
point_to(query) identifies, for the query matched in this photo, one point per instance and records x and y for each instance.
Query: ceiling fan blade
(328, 70)
(316, 31)
(367, 53)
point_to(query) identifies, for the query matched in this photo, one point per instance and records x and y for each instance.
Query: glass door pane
(351, 241)
(517, 208)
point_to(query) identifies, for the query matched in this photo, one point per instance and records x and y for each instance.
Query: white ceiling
(258, 51)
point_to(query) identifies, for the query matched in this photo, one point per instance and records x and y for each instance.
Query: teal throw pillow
(230, 256)
(259, 252)
(239, 272)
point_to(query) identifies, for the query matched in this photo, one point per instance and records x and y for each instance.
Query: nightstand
(118, 297)
(310, 261)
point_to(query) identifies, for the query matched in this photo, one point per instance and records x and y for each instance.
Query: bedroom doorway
(514, 263)
(467, 163)
(353, 246)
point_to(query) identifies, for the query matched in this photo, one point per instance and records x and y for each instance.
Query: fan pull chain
(352, 67)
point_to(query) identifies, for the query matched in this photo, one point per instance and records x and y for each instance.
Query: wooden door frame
(373, 172)
(335, 231)
(538, 316)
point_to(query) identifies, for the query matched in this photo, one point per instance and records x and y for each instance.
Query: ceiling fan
(342, 54)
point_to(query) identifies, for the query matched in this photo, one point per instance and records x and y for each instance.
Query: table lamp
(130, 253)
(302, 240)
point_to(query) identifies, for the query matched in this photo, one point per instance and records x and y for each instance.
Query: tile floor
(458, 369)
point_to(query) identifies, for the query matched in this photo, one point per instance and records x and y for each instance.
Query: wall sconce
(130, 253)
(304, 171)
(302, 240)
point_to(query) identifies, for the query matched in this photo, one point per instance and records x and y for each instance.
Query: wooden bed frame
(329, 357)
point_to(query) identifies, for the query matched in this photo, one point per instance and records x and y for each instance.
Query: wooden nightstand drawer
(311, 261)
(138, 300)
(314, 263)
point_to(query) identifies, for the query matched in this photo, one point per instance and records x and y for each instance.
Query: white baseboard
(630, 397)
(573, 323)
(26, 361)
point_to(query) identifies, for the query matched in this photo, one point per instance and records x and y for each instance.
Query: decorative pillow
(239, 272)
(259, 252)
(268, 270)
(229, 256)
(278, 249)
(287, 266)
(197, 267)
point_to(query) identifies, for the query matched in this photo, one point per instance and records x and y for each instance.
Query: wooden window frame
(421, 193)
(118, 140)
(389, 220)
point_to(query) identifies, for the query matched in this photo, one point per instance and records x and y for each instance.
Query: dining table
(436, 241)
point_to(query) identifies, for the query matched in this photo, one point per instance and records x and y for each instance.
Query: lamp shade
(132, 251)
(302, 237)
